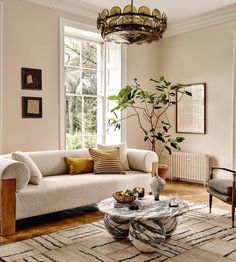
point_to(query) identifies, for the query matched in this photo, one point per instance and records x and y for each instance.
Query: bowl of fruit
(126, 196)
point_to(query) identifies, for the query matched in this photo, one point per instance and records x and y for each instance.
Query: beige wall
(201, 56)
(31, 39)
(143, 64)
(205, 56)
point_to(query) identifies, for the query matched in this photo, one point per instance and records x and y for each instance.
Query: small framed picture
(31, 107)
(31, 78)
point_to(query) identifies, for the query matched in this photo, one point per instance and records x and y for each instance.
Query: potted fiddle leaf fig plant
(150, 109)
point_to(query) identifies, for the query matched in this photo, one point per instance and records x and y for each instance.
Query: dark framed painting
(191, 110)
(31, 78)
(32, 107)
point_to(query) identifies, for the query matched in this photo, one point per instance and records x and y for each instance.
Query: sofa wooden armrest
(7, 206)
(14, 176)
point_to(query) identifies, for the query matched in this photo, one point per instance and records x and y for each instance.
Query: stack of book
(131, 206)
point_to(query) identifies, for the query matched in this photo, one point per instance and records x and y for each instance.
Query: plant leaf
(162, 78)
(174, 145)
(168, 149)
(165, 123)
(165, 128)
(114, 97)
(179, 139)
(188, 93)
(160, 138)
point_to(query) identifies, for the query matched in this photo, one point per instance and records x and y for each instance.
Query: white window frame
(1, 73)
(233, 122)
(62, 94)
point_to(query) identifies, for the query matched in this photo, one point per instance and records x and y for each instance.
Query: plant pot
(163, 170)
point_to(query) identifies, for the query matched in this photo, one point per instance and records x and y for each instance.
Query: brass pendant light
(131, 26)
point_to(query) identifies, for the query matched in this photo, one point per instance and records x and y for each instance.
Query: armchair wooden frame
(233, 202)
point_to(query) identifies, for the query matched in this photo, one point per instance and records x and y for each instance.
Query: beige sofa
(59, 191)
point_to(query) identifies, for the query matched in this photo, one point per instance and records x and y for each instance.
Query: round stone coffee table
(146, 227)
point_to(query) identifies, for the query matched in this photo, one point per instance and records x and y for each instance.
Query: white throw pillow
(35, 174)
(123, 153)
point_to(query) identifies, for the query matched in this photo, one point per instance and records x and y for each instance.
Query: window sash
(99, 90)
(102, 96)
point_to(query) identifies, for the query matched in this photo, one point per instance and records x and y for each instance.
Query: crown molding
(69, 6)
(213, 18)
(90, 11)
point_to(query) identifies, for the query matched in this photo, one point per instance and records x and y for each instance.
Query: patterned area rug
(199, 237)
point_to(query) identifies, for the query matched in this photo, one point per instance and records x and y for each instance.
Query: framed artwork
(31, 78)
(191, 110)
(31, 107)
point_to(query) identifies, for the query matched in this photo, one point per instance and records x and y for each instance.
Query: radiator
(189, 167)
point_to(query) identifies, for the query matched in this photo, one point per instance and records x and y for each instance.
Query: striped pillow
(107, 161)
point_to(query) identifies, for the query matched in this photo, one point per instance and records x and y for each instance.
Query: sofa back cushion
(53, 162)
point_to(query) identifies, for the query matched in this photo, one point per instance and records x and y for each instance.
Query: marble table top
(148, 209)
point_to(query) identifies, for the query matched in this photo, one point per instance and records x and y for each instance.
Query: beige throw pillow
(123, 153)
(106, 161)
(35, 174)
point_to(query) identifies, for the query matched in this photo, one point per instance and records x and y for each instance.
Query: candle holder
(140, 191)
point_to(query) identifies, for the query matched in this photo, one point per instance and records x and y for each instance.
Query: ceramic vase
(157, 185)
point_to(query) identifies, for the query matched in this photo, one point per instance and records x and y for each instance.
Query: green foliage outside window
(81, 93)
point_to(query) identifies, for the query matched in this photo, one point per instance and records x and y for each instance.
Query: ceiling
(176, 10)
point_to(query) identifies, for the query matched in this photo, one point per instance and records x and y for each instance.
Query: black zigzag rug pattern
(200, 236)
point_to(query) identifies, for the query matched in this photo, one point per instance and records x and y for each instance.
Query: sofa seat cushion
(55, 193)
(223, 186)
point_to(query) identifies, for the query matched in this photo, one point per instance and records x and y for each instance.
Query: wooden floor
(37, 226)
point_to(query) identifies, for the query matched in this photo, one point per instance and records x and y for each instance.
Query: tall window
(87, 73)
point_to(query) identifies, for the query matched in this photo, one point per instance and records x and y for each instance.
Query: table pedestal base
(145, 235)
(118, 228)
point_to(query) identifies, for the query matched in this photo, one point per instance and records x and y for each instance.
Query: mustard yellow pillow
(79, 165)
(107, 161)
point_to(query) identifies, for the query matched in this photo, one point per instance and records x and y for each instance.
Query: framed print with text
(191, 110)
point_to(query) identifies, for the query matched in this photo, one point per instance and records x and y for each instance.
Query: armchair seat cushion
(220, 196)
(223, 186)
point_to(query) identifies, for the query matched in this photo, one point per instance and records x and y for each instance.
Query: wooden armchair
(223, 189)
